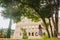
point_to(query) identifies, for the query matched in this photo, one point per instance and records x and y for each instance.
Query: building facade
(31, 29)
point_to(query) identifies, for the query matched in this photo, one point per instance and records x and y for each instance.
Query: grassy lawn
(43, 39)
(52, 39)
(46, 39)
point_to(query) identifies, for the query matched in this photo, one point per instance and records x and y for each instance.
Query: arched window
(32, 33)
(36, 34)
(20, 33)
(29, 34)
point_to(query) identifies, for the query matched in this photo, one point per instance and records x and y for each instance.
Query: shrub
(24, 34)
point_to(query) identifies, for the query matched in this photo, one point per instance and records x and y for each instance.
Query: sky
(5, 22)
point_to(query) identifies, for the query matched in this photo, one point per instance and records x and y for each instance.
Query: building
(31, 29)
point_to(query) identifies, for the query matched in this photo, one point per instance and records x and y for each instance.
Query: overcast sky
(5, 22)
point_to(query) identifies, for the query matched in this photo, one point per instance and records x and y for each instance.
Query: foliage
(8, 33)
(31, 14)
(24, 34)
(1, 33)
(41, 7)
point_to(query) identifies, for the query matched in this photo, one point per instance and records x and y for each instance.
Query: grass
(43, 38)
(46, 38)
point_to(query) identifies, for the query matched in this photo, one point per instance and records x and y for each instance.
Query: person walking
(40, 30)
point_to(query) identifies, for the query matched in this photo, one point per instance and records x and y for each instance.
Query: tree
(24, 33)
(51, 8)
(1, 33)
(9, 13)
(56, 18)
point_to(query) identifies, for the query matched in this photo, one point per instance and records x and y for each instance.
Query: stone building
(31, 29)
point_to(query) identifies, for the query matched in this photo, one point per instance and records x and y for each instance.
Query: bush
(24, 34)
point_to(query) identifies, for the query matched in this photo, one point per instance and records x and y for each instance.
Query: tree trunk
(9, 29)
(56, 21)
(46, 27)
(56, 18)
(51, 27)
(53, 21)
(56, 28)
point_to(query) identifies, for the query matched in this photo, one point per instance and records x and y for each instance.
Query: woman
(40, 30)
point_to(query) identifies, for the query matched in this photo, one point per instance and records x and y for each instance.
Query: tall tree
(9, 13)
(56, 17)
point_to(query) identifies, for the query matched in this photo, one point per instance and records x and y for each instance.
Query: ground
(30, 39)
